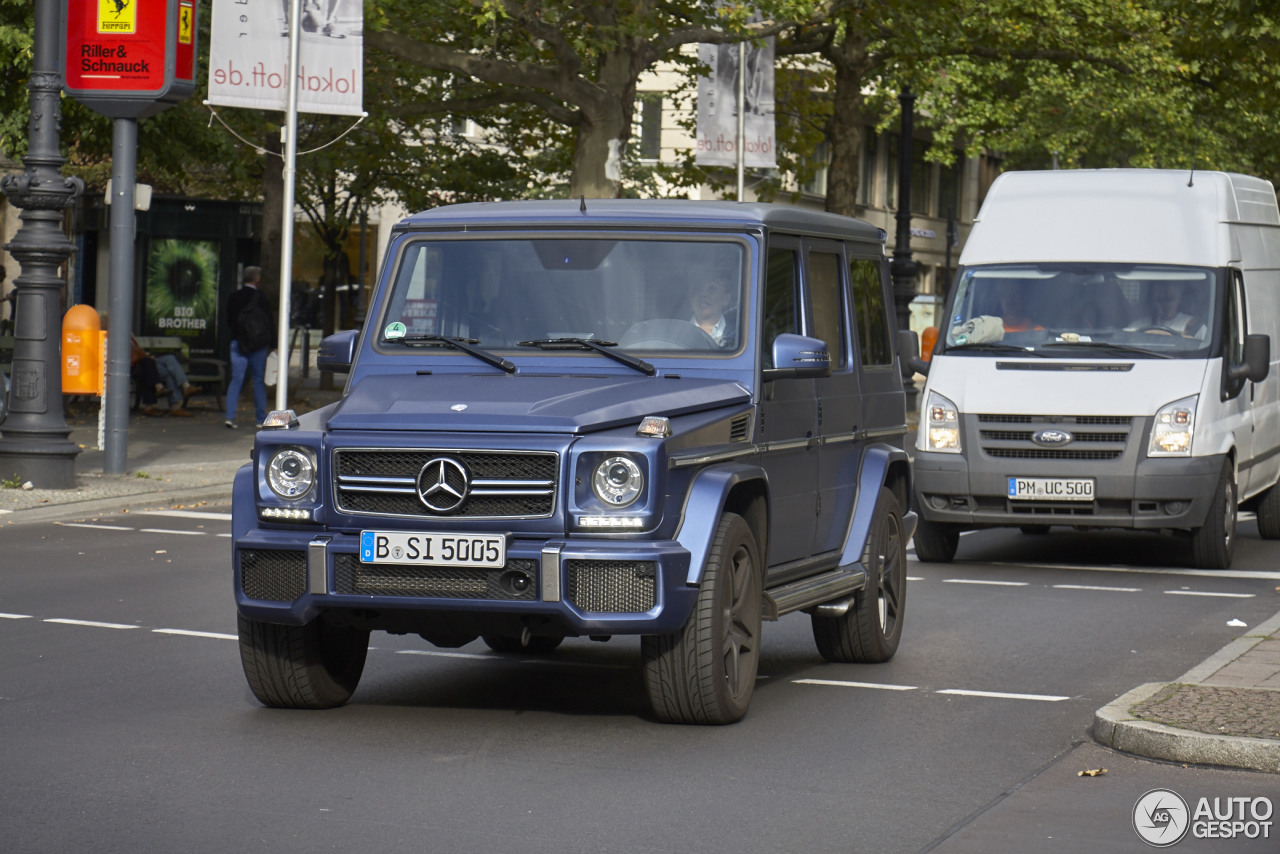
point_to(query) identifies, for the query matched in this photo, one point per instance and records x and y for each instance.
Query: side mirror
(337, 352)
(908, 353)
(1257, 360)
(797, 356)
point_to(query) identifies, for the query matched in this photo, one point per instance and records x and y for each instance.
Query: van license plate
(434, 549)
(1050, 489)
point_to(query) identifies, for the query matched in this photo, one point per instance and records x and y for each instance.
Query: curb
(1115, 727)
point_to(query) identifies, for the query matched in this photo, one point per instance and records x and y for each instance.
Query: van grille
(1094, 437)
(501, 485)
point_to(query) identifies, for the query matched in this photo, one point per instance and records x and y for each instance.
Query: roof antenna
(582, 208)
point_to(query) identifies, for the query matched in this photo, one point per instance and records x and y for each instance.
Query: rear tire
(871, 629)
(936, 542)
(316, 666)
(1213, 543)
(1269, 514)
(706, 672)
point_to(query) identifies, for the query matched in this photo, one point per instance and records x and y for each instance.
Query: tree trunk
(845, 127)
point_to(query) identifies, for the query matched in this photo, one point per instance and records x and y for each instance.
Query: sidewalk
(1224, 712)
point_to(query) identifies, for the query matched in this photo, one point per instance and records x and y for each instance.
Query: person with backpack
(253, 330)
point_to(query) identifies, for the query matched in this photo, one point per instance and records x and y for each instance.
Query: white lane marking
(89, 623)
(189, 514)
(15, 616)
(228, 536)
(1097, 587)
(839, 684)
(1205, 593)
(191, 634)
(915, 578)
(981, 581)
(1206, 573)
(1000, 695)
(171, 531)
(436, 654)
(95, 527)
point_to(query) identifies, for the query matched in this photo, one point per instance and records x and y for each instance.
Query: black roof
(674, 213)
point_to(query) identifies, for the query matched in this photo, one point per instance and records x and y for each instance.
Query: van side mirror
(797, 357)
(909, 354)
(337, 352)
(1257, 360)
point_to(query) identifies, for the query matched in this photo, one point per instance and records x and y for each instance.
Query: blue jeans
(256, 362)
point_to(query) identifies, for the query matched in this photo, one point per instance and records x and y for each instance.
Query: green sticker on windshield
(394, 330)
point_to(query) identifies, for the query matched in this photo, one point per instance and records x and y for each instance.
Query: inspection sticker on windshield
(394, 331)
(433, 549)
(1050, 489)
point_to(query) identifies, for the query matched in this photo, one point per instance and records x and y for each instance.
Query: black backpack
(254, 327)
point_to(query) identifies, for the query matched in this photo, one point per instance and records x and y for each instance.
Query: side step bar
(811, 592)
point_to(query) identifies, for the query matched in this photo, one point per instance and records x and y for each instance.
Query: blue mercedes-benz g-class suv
(670, 419)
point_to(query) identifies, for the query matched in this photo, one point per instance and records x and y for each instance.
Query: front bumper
(1151, 494)
(571, 586)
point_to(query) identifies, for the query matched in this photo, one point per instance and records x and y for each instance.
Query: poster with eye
(181, 287)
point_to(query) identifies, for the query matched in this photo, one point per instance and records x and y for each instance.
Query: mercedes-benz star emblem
(443, 484)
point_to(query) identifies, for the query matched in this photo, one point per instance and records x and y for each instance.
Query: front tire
(315, 666)
(936, 542)
(1213, 543)
(872, 627)
(706, 672)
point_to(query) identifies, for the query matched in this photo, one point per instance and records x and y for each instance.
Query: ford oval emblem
(1052, 438)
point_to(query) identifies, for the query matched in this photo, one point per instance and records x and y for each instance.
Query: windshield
(541, 295)
(1085, 309)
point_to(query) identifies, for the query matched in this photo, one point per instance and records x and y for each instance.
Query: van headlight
(942, 425)
(1174, 428)
(291, 472)
(617, 481)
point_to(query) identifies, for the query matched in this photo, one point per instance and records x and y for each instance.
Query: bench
(209, 374)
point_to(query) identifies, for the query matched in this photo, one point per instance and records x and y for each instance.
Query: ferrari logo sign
(186, 22)
(117, 16)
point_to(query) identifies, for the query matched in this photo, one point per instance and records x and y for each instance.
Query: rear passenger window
(828, 309)
(871, 315)
(779, 298)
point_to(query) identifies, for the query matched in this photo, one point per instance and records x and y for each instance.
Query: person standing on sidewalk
(252, 331)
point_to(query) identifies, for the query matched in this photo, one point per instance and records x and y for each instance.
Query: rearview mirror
(337, 352)
(909, 354)
(1256, 363)
(798, 356)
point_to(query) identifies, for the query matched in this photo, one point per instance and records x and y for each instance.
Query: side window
(871, 314)
(779, 298)
(1233, 341)
(828, 308)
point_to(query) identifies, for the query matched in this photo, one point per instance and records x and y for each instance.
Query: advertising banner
(249, 55)
(182, 292)
(718, 107)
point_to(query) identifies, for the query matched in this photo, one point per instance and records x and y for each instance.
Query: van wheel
(936, 542)
(1269, 514)
(316, 666)
(706, 672)
(871, 629)
(1213, 543)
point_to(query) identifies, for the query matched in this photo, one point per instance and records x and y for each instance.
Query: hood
(1017, 386)
(522, 402)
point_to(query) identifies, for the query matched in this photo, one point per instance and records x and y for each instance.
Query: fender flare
(873, 474)
(703, 505)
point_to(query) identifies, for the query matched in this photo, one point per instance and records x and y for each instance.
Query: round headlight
(617, 481)
(291, 473)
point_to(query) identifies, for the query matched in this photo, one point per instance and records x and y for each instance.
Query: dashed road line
(189, 514)
(1001, 695)
(985, 581)
(1097, 587)
(192, 634)
(1208, 593)
(89, 623)
(15, 617)
(95, 526)
(171, 531)
(879, 686)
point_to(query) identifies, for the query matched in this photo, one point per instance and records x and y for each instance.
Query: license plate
(424, 548)
(1050, 489)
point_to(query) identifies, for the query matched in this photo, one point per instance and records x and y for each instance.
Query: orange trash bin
(81, 351)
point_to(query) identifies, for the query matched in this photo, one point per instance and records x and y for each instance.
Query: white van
(1106, 362)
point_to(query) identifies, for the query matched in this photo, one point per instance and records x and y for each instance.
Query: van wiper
(1108, 345)
(603, 347)
(463, 344)
(996, 347)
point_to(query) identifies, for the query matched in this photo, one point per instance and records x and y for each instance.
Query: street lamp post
(34, 436)
(903, 269)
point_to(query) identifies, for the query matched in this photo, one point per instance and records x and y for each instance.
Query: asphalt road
(127, 726)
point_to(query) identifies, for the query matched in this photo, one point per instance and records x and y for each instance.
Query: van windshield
(534, 294)
(1084, 310)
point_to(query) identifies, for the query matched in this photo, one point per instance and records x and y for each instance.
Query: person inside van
(1166, 313)
(1013, 307)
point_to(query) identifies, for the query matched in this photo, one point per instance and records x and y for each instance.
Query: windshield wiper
(603, 347)
(1108, 345)
(463, 344)
(996, 347)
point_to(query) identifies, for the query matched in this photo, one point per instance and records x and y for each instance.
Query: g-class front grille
(445, 483)
(273, 575)
(612, 586)
(514, 582)
(1093, 437)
